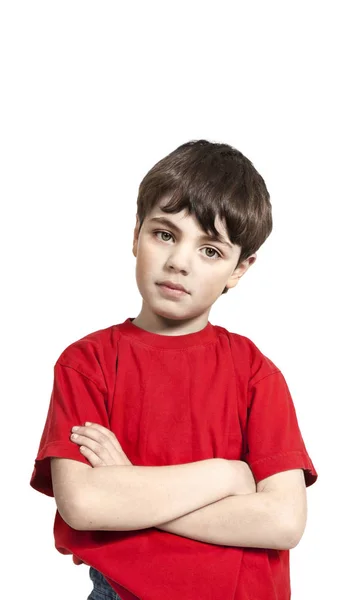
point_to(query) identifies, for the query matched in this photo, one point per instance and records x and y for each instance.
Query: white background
(92, 95)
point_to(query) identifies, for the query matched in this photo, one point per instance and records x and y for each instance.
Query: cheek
(213, 286)
(146, 261)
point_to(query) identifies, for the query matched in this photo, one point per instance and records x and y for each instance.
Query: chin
(173, 315)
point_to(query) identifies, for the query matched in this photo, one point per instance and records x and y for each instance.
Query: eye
(213, 249)
(162, 232)
(218, 254)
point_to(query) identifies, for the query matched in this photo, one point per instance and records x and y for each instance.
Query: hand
(244, 482)
(100, 446)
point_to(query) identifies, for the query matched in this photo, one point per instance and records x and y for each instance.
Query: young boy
(204, 490)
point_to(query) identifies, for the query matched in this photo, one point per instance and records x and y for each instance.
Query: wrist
(242, 480)
(229, 475)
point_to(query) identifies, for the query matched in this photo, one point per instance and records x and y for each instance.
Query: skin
(183, 259)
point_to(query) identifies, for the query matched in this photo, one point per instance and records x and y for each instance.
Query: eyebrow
(172, 225)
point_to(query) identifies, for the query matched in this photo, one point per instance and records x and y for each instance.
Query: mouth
(173, 286)
(170, 291)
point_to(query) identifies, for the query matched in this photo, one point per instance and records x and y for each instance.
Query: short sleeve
(75, 398)
(274, 440)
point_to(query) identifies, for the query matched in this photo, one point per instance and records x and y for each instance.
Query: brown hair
(208, 178)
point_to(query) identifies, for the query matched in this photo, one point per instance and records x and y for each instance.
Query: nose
(179, 259)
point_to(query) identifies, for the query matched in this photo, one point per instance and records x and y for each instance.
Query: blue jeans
(102, 590)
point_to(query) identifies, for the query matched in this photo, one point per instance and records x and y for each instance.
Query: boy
(204, 490)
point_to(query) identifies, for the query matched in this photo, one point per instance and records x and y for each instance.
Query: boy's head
(204, 189)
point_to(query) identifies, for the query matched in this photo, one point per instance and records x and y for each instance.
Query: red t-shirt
(171, 400)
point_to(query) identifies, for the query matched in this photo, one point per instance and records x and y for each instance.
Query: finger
(93, 459)
(105, 438)
(97, 436)
(108, 433)
(100, 449)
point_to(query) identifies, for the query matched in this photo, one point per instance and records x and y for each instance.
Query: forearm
(126, 497)
(248, 520)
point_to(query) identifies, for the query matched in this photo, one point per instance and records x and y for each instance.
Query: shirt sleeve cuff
(270, 465)
(41, 475)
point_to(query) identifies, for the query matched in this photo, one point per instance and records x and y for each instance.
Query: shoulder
(246, 352)
(93, 354)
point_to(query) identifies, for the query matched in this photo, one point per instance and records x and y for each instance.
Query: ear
(240, 271)
(136, 236)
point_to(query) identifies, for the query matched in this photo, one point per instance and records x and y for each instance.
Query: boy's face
(180, 253)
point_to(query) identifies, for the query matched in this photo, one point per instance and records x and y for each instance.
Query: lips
(173, 286)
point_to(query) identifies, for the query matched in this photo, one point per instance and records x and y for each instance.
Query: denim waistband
(102, 589)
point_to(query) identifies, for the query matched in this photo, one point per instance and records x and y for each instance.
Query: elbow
(70, 515)
(91, 516)
(292, 535)
(77, 522)
(75, 515)
(292, 540)
(289, 541)
(81, 519)
(292, 525)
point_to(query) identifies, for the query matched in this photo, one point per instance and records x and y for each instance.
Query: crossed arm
(272, 517)
(207, 501)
